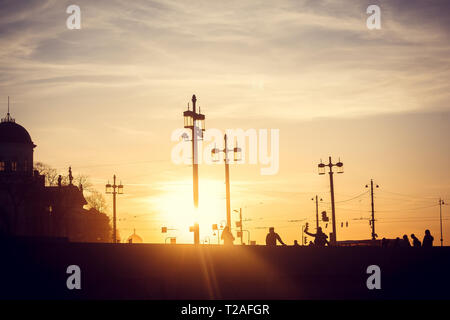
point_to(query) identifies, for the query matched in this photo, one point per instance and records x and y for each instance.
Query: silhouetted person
(406, 242)
(272, 237)
(427, 239)
(384, 243)
(320, 237)
(296, 243)
(416, 242)
(311, 244)
(227, 236)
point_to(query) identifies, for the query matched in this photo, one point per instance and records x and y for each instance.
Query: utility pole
(239, 225)
(114, 190)
(317, 210)
(304, 227)
(240, 218)
(330, 165)
(227, 183)
(215, 228)
(441, 203)
(372, 221)
(237, 153)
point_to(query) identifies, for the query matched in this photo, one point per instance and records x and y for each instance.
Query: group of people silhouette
(321, 239)
(427, 241)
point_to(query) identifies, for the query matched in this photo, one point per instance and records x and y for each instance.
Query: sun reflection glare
(175, 207)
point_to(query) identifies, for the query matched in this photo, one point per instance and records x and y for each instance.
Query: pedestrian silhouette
(272, 237)
(311, 244)
(384, 243)
(320, 237)
(296, 243)
(427, 239)
(416, 242)
(227, 236)
(406, 242)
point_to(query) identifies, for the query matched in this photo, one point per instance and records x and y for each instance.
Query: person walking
(272, 237)
(227, 236)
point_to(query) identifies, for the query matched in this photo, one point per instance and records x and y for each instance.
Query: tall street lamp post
(114, 190)
(237, 157)
(196, 122)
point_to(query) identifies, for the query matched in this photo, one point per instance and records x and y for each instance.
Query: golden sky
(105, 99)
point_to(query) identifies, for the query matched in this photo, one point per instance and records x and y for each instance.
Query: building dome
(134, 238)
(16, 152)
(11, 132)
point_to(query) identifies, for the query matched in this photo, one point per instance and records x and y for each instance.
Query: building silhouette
(30, 208)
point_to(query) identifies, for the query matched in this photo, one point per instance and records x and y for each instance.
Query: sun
(175, 207)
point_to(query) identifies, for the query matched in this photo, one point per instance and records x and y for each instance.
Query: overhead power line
(410, 195)
(409, 209)
(352, 198)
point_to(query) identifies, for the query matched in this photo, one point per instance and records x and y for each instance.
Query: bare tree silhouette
(97, 201)
(51, 174)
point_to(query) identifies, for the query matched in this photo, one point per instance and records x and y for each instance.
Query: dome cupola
(16, 148)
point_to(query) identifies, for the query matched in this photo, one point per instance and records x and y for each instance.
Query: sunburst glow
(176, 209)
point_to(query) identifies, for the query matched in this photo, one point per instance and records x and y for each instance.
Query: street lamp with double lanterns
(340, 169)
(237, 157)
(114, 190)
(195, 121)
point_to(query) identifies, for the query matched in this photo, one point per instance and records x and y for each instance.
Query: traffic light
(305, 240)
(239, 234)
(164, 230)
(324, 216)
(238, 224)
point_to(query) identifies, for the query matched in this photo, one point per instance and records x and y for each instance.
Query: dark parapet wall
(36, 269)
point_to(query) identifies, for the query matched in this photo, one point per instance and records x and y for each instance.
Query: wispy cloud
(310, 58)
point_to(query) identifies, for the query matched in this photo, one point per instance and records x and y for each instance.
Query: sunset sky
(105, 100)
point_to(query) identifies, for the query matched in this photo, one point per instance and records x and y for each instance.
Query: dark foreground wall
(37, 270)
